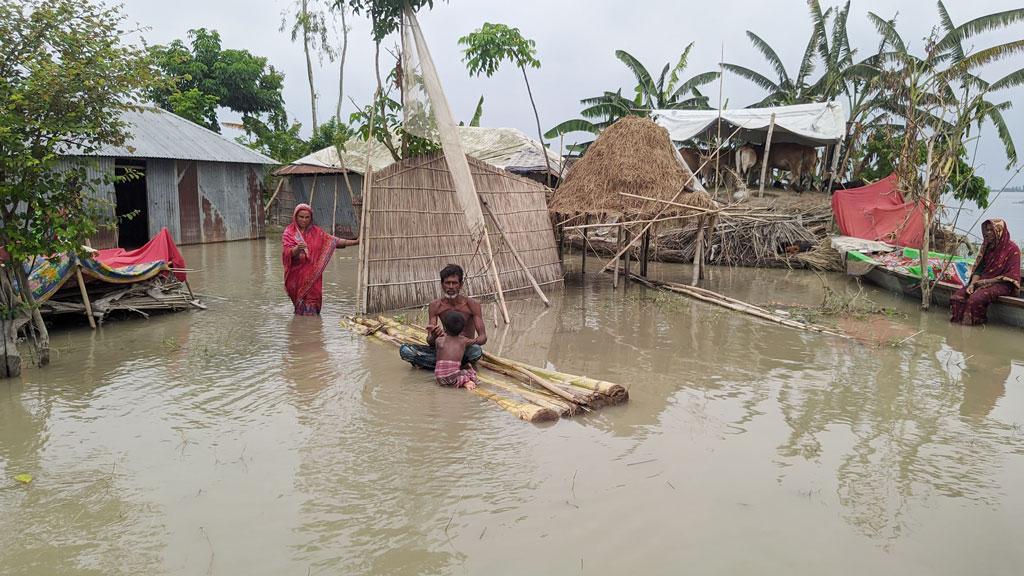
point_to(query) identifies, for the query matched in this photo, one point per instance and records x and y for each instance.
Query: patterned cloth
(998, 259)
(451, 373)
(956, 272)
(47, 275)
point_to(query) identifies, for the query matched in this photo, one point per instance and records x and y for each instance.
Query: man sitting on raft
(452, 278)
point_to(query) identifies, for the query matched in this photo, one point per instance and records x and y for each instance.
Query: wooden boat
(1007, 310)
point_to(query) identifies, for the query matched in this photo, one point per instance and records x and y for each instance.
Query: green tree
(385, 15)
(330, 133)
(938, 97)
(206, 76)
(493, 44)
(67, 77)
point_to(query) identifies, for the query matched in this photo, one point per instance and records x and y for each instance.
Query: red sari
(303, 273)
(997, 260)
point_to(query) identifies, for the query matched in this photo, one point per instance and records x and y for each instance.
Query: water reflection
(252, 441)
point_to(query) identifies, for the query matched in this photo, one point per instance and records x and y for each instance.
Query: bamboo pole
(629, 254)
(712, 297)
(273, 196)
(767, 150)
(528, 412)
(618, 255)
(499, 291)
(586, 240)
(721, 104)
(832, 171)
(698, 254)
(85, 296)
(515, 254)
(334, 212)
(312, 190)
(645, 253)
(362, 281)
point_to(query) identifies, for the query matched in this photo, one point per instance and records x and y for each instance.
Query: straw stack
(530, 393)
(635, 156)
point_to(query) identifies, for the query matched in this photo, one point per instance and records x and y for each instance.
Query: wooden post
(85, 296)
(618, 255)
(361, 277)
(515, 254)
(274, 195)
(645, 253)
(767, 151)
(835, 166)
(334, 212)
(698, 253)
(629, 254)
(586, 237)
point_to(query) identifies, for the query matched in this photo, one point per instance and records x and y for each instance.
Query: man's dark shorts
(423, 356)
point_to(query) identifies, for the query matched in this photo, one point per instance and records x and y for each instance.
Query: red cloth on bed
(160, 247)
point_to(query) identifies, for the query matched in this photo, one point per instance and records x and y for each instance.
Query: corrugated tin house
(332, 180)
(198, 184)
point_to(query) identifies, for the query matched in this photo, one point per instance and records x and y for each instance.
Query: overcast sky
(576, 42)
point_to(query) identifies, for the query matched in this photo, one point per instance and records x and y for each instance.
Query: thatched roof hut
(636, 156)
(414, 227)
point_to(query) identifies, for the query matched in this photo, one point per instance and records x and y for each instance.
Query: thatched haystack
(635, 156)
(414, 227)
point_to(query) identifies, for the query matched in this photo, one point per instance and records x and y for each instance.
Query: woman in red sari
(996, 273)
(305, 252)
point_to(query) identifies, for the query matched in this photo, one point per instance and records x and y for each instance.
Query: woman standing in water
(305, 251)
(996, 273)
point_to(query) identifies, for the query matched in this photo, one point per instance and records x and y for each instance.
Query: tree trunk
(42, 336)
(540, 133)
(309, 61)
(10, 320)
(341, 69)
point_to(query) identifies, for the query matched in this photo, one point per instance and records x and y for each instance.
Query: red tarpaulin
(878, 212)
(161, 247)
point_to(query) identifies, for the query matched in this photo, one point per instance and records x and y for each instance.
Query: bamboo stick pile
(154, 295)
(755, 236)
(528, 392)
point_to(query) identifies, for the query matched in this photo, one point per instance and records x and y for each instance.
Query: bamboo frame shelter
(414, 226)
(633, 178)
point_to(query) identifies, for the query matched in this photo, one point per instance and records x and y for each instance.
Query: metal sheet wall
(162, 197)
(346, 221)
(98, 168)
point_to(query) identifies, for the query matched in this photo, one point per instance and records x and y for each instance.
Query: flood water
(241, 440)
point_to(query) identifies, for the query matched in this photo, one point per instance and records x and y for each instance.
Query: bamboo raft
(528, 392)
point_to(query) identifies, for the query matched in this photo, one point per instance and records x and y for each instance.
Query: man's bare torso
(460, 304)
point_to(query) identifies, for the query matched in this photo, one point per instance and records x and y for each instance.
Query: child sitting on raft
(449, 370)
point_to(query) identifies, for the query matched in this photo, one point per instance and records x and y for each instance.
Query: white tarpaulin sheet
(812, 124)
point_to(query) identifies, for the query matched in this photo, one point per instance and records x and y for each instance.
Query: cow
(745, 159)
(797, 159)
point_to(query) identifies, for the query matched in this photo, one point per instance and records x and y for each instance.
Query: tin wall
(322, 187)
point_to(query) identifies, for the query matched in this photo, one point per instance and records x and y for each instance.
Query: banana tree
(669, 91)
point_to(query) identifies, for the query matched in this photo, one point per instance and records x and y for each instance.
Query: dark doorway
(132, 202)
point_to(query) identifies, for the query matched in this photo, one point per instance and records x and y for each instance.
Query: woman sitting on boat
(996, 273)
(305, 252)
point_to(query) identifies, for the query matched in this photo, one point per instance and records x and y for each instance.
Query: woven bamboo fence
(414, 227)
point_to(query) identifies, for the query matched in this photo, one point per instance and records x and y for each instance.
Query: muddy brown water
(241, 440)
